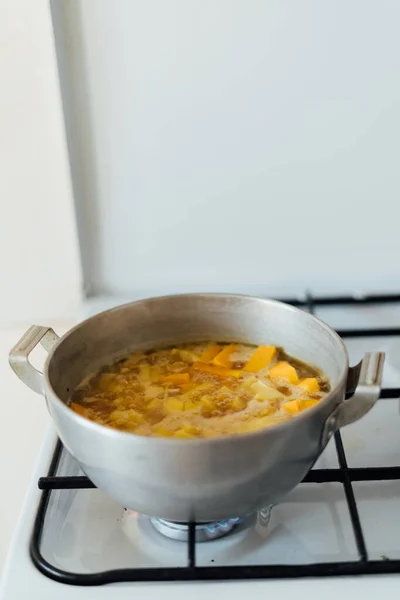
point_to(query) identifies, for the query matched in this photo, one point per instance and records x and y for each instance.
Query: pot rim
(242, 437)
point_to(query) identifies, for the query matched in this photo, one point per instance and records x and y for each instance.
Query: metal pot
(201, 479)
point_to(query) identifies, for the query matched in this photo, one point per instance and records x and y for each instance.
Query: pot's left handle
(19, 355)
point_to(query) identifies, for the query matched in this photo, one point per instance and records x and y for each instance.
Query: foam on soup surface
(200, 390)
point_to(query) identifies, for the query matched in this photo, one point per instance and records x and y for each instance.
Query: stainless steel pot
(202, 479)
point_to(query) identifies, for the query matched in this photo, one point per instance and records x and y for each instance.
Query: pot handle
(362, 391)
(19, 355)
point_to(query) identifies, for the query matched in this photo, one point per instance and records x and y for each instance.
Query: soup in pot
(200, 390)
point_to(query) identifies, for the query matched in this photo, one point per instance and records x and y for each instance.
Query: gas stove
(340, 523)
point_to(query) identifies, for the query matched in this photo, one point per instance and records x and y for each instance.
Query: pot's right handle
(362, 391)
(19, 355)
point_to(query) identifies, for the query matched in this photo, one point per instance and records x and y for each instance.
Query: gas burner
(205, 532)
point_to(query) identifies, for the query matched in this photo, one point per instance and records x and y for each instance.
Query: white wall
(40, 271)
(234, 145)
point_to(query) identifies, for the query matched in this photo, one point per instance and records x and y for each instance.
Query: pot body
(200, 479)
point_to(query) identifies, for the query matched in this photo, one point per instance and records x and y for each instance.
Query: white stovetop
(23, 422)
(19, 448)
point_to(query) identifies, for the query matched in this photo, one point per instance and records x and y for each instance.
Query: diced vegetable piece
(154, 404)
(293, 407)
(218, 371)
(90, 399)
(163, 431)
(78, 408)
(191, 406)
(183, 434)
(111, 383)
(176, 378)
(172, 404)
(260, 359)
(104, 380)
(202, 387)
(210, 353)
(186, 355)
(133, 360)
(223, 393)
(153, 391)
(237, 404)
(155, 373)
(145, 374)
(310, 384)
(222, 359)
(129, 416)
(265, 391)
(265, 409)
(187, 386)
(248, 382)
(190, 429)
(284, 371)
(121, 401)
(310, 403)
(207, 405)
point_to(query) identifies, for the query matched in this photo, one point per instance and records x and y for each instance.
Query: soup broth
(200, 390)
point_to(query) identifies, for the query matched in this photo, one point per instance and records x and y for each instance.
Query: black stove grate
(343, 474)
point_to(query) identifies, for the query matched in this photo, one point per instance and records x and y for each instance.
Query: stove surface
(85, 532)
